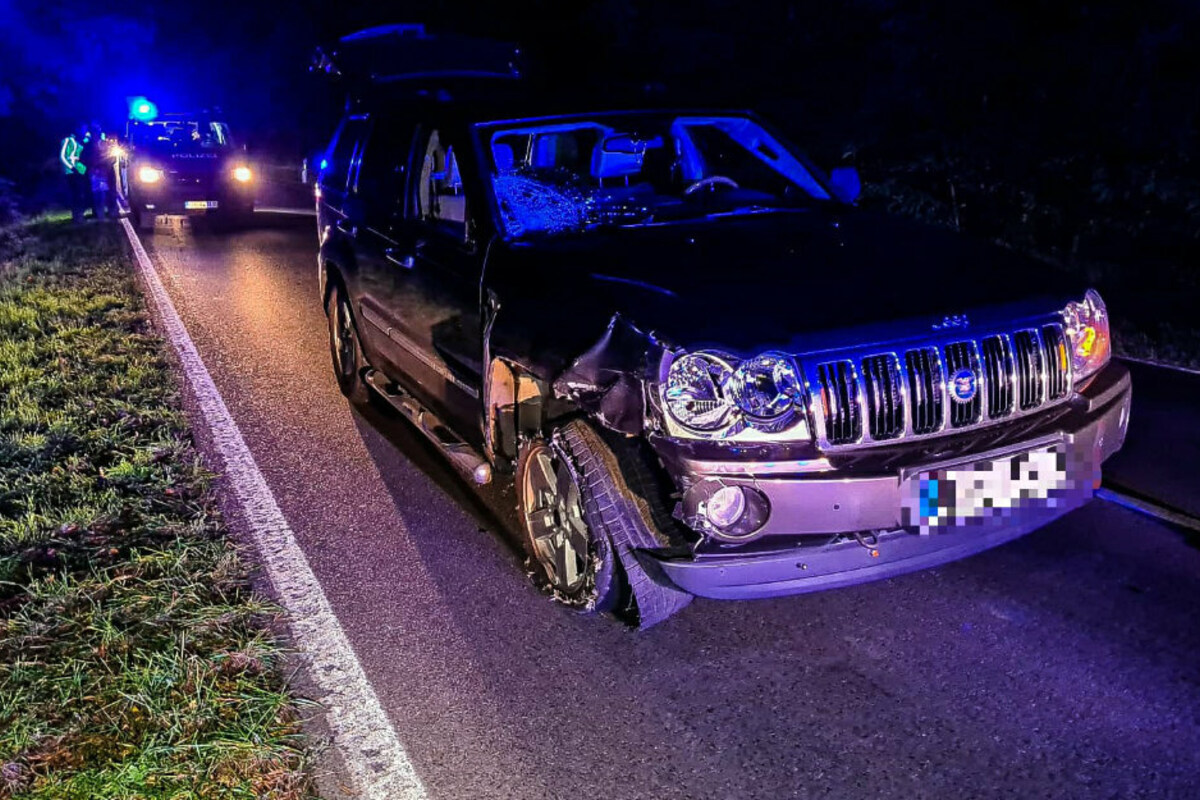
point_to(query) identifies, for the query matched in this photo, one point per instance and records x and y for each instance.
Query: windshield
(568, 175)
(181, 135)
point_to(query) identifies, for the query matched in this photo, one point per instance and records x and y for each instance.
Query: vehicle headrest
(614, 165)
(544, 151)
(453, 176)
(504, 157)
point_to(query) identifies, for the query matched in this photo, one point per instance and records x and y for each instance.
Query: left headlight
(242, 174)
(767, 389)
(1087, 328)
(712, 395)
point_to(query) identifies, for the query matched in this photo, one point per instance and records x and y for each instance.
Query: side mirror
(846, 184)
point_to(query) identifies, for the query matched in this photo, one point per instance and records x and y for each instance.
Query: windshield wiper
(757, 209)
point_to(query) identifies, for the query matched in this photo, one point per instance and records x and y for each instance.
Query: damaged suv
(705, 370)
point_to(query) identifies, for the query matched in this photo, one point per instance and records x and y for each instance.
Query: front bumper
(828, 503)
(172, 200)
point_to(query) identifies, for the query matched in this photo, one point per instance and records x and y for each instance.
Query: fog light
(242, 174)
(726, 507)
(728, 512)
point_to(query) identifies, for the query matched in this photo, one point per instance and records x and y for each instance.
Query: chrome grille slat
(961, 356)
(998, 375)
(925, 390)
(874, 396)
(885, 400)
(1057, 361)
(840, 401)
(1027, 345)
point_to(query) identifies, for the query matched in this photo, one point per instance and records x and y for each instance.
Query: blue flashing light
(324, 163)
(142, 109)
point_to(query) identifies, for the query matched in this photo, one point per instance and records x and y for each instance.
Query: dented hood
(771, 280)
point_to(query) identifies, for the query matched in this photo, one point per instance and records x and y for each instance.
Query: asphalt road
(1066, 664)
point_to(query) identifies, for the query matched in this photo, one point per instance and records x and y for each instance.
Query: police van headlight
(150, 174)
(242, 174)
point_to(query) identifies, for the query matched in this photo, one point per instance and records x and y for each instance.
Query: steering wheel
(710, 183)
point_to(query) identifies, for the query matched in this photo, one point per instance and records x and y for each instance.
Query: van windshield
(181, 135)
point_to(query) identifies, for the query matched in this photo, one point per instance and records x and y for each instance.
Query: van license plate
(199, 205)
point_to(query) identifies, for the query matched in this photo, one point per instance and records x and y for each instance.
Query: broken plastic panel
(608, 379)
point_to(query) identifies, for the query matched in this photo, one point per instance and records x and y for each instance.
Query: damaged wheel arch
(619, 523)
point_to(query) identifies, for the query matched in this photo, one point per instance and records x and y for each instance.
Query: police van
(186, 164)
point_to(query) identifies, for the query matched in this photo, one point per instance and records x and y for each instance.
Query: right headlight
(716, 396)
(150, 174)
(1086, 325)
(695, 393)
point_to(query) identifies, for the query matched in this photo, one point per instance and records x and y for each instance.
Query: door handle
(407, 262)
(346, 227)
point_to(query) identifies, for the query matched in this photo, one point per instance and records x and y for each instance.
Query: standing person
(117, 156)
(70, 157)
(98, 161)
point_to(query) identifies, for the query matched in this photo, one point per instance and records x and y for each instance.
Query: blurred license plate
(199, 205)
(972, 493)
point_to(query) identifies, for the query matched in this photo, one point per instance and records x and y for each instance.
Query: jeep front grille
(960, 384)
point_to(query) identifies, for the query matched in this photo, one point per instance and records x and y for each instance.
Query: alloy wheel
(552, 505)
(343, 333)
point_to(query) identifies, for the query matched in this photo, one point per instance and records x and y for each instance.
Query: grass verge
(135, 661)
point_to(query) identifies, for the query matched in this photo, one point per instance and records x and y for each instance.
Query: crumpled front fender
(608, 380)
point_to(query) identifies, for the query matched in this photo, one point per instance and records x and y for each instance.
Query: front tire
(582, 525)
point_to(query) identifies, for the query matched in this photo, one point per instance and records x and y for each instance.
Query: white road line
(299, 212)
(377, 764)
(1160, 365)
(1150, 508)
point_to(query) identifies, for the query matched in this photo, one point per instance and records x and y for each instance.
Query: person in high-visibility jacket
(98, 160)
(70, 157)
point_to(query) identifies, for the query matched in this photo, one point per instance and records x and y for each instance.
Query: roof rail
(407, 53)
(416, 29)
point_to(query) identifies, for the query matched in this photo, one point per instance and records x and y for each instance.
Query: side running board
(461, 454)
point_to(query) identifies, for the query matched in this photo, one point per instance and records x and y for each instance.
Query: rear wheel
(582, 526)
(348, 361)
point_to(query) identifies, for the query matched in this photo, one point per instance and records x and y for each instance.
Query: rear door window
(383, 164)
(335, 170)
